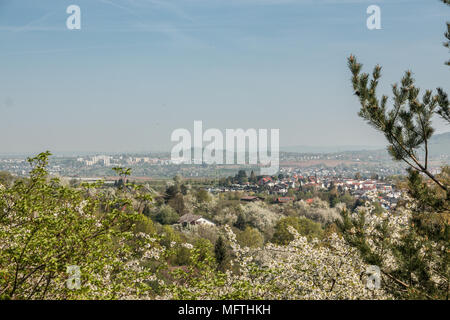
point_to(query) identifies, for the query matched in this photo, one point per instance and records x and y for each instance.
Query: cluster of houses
(359, 188)
(283, 185)
(365, 189)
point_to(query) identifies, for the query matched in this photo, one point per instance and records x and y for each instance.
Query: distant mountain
(440, 144)
(328, 149)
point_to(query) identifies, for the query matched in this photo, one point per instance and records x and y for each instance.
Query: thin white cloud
(31, 26)
(143, 25)
(169, 6)
(133, 7)
(119, 6)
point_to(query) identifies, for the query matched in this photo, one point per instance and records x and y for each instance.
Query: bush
(250, 237)
(167, 215)
(145, 225)
(183, 256)
(304, 226)
(203, 196)
(5, 178)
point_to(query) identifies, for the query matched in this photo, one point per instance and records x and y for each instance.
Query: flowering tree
(414, 264)
(318, 269)
(46, 227)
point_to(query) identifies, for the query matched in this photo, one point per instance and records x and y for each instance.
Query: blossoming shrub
(317, 269)
(46, 227)
(413, 264)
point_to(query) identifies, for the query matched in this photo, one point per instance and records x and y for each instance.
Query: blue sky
(138, 69)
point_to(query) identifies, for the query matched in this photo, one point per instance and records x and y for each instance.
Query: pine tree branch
(398, 124)
(405, 285)
(424, 136)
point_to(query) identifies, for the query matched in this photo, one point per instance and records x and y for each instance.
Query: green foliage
(169, 236)
(444, 109)
(242, 177)
(177, 203)
(221, 254)
(145, 225)
(204, 249)
(173, 196)
(203, 195)
(46, 227)
(253, 178)
(167, 215)
(6, 178)
(171, 192)
(355, 233)
(304, 226)
(182, 256)
(123, 173)
(407, 126)
(250, 237)
(241, 222)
